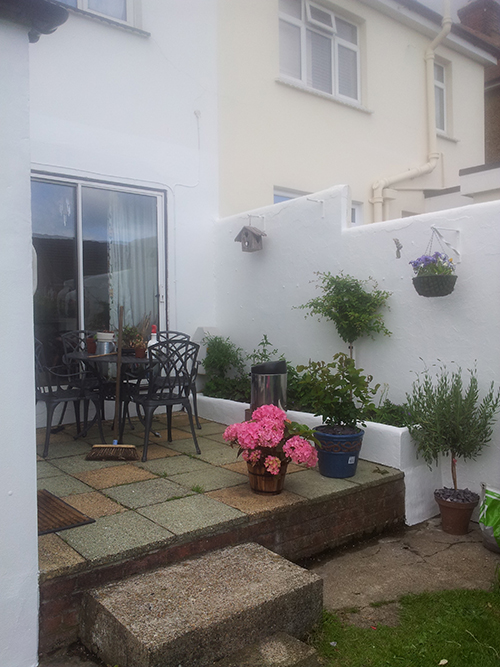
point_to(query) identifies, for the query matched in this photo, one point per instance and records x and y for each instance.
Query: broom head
(113, 453)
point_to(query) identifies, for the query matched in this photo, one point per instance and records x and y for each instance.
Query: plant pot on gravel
(450, 420)
(342, 396)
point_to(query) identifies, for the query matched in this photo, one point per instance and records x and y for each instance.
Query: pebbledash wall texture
(295, 532)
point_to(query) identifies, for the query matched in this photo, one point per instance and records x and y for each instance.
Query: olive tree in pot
(350, 305)
(343, 398)
(447, 419)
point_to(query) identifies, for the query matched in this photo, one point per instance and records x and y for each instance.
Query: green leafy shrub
(448, 419)
(350, 306)
(225, 375)
(338, 391)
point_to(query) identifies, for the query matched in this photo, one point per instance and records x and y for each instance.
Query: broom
(115, 452)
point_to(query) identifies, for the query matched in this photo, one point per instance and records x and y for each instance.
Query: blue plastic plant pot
(337, 464)
(338, 454)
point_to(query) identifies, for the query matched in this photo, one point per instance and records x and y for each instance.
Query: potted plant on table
(434, 275)
(341, 394)
(268, 443)
(447, 419)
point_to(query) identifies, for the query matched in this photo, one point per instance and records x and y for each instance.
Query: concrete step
(192, 613)
(280, 650)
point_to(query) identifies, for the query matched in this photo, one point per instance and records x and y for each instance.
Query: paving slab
(115, 537)
(244, 499)
(94, 504)
(114, 476)
(210, 479)
(193, 514)
(372, 473)
(63, 485)
(69, 447)
(45, 469)
(72, 465)
(279, 650)
(174, 465)
(55, 556)
(146, 622)
(150, 492)
(309, 484)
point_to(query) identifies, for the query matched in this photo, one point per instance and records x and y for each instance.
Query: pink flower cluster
(266, 438)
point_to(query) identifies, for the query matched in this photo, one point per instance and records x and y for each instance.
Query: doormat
(54, 514)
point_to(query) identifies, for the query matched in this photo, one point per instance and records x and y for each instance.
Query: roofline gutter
(378, 187)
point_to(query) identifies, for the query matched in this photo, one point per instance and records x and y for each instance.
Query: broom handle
(116, 422)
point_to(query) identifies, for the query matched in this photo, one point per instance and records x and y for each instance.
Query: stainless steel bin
(268, 385)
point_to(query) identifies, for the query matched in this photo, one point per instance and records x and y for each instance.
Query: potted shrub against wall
(350, 305)
(447, 419)
(343, 398)
(434, 275)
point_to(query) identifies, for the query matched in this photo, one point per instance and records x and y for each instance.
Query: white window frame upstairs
(309, 26)
(130, 10)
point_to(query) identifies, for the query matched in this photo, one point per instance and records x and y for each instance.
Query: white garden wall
(257, 293)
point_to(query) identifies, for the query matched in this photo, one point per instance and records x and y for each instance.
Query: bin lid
(270, 368)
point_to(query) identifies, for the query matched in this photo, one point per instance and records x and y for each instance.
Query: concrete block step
(280, 650)
(192, 613)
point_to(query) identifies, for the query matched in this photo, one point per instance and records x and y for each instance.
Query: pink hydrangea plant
(269, 438)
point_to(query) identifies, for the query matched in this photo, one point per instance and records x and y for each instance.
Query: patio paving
(178, 505)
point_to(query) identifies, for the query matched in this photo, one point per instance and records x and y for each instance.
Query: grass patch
(197, 489)
(462, 627)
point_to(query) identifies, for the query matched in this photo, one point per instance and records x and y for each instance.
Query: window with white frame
(117, 10)
(440, 96)
(319, 48)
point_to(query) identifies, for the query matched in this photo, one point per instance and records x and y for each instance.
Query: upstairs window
(117, 10)
(440, 96)
(319, 49)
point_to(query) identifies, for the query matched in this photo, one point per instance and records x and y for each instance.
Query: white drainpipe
(433, 156)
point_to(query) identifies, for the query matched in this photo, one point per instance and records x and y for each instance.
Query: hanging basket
(438, 285)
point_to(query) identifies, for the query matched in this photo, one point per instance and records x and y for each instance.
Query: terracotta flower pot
(263, 482)
(455, 516)
(140, 352)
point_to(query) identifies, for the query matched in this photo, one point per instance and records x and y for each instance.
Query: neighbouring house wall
(273, 134)
(134, 109)
(18, 528)
(257, 294)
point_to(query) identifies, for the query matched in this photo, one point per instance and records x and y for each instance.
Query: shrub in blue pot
(343, 397)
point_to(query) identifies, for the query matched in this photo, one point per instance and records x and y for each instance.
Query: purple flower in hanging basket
(432, 265)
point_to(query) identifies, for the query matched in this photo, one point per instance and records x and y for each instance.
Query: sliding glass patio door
(98, 248)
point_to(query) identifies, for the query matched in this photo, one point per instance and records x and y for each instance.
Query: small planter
(338, 455)
(91, 345)
(438, 285)
(140, 352)
(263, 482)
(455, 516)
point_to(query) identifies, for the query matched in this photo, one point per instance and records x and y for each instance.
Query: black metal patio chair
(176, 336)
(55, 386)
(166, 381)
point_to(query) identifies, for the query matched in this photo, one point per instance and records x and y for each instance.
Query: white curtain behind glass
(132, 258)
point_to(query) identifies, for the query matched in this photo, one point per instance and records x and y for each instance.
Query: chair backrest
(173, 369)
(42, 374)
(171, 336)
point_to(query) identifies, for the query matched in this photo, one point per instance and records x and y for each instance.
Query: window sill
(325, 96)
(447, 137)
(108, 21)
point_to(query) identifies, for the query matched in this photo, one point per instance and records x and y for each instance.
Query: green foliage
(353, 309)
(338, 391)
(262, 353)
(225, 370)
(389, 413)
(459, 626)
(448, 419)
